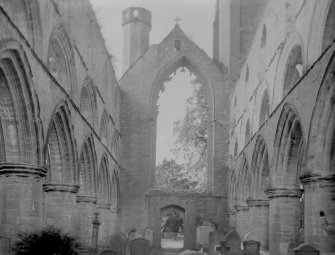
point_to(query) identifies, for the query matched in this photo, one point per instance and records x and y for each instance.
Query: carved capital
(60, 188)
(240, 208)
(86, 199)
(283, 192)
(325, 181)
(22, 170)
(257, 202)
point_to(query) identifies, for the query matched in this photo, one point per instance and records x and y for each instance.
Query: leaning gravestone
(305, 249)
(215, 237)
(118, 243)
(139, 246)
(231, 244)
(149, 235)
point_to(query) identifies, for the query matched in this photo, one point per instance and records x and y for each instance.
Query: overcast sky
(196, 21)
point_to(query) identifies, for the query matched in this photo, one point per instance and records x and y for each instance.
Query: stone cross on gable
(177, 19)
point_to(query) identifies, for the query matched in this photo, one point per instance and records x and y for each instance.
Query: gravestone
(139, 246)
(305, 249)
(149, 235)
(108, 252)
(251, 247)
(215, 237)
(231, 244)
(118, 243)
(202, 234)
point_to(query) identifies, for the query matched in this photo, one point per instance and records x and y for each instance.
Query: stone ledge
(257, 202)
(61, 188)
(307, 178)
(283, 192)
(86, 199)
(22, 170)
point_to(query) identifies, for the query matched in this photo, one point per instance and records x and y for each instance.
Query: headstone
(149, 235)
(305, 249)
(215, 237)
(108, 252)
(202, 234)
(139, 246)
(118, 243)
(131, 234)
(231, 244)
(251, 247)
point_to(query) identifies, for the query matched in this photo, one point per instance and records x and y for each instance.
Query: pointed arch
(289, 149)
(232, 190)
(243, 181)
(322, 127)
(22, 128)
(260, 170)
(104, 189)
(60, 148)
(247, 133)
(103, 127)
(115, 189)
(61, 61)
(87, 168)
(115, 145)
(88, 102)
(265, 108)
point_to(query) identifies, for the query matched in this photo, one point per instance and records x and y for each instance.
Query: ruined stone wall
(65, 107)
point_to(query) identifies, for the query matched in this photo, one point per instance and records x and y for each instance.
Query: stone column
(284, 219)
(105, 231)
(320, 211)
(21, 198)
(232, 219)
(86, 207)
(259, 222)
(242, 220)
(60, 202)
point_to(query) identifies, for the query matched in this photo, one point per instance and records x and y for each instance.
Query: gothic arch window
(243, 185)
(61, 62)
(19, 115)
(115, 190)
(104, 190)
(235, 148)
(115, 145)
(293, 70)
(87, 168)
(247, 133)
(60, 149)
(263, 38)
(103, 127)
(88, 102)
(265, 108)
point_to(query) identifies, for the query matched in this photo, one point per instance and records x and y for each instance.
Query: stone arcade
(74, 141)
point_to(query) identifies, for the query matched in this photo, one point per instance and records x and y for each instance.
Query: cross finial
(177, 19)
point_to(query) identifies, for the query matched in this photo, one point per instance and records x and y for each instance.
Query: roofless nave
(75, 141)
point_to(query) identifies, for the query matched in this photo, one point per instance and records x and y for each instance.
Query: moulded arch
(260, 96)
(104, 195)
(23, 115)
(289, 149)
(293, 42)
(60, 148)
(260, 170)
(88, 167)
(88, 102)
(322, 127)
(264, 110)
(60, 60)
(243, 191)
(317, 29)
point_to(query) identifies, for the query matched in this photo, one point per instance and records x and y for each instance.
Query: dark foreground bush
(48, 241)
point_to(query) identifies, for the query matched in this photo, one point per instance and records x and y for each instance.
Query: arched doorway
(172, 227)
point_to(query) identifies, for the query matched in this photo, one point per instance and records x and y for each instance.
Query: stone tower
(136, 24)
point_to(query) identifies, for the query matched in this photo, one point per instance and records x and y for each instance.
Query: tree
(48, 241)
(192, 134)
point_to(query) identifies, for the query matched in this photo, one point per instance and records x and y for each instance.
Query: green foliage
(48, 241)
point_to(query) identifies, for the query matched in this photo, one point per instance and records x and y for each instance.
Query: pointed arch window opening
(185, 158)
